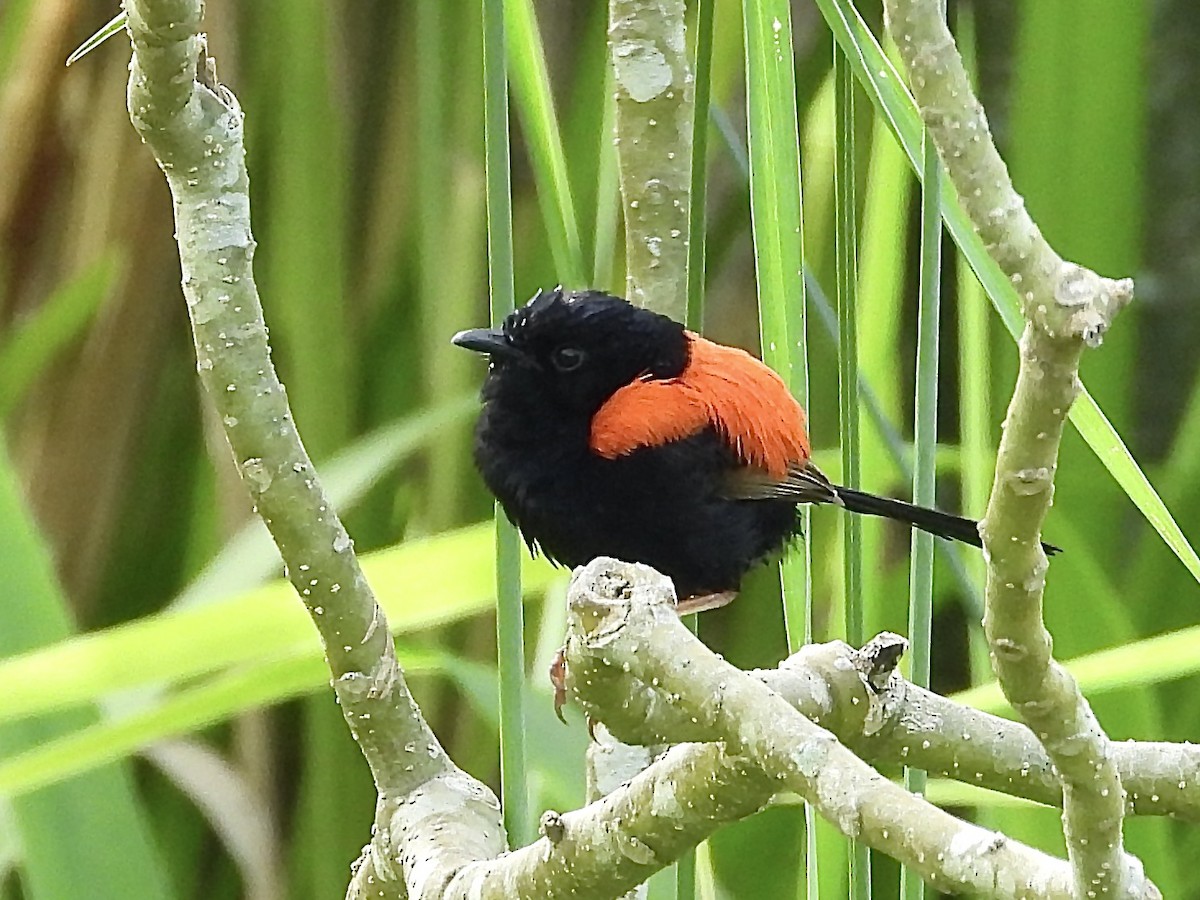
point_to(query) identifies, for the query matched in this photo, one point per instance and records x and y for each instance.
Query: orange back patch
(724, 387)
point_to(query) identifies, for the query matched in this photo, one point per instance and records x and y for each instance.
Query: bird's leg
(698, 603)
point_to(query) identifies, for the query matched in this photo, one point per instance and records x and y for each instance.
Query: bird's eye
(567, 359)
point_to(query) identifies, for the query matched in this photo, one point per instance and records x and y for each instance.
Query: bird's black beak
(487, 340)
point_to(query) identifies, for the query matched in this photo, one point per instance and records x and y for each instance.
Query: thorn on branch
(1092, 300)
(552, 826)
(206, 67)
(878, 658)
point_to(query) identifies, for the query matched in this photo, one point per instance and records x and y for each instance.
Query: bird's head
(576, 349)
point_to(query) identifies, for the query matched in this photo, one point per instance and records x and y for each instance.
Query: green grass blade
(1095, 428)
(305, 277)
(97, 820)
(773, 133)
(685, 866)
(685, 876)
(846, 269)
(775, 203)
(818, 148)
(975, 427)
(1082, 181)
(974, 384)
(920, 604)
(886, 89)
(883, 296)
(608, 198)
(423, 583)
(881, 271)
(846, 245)
(510, 649)
(535, 104)
(697, 219)
(249, 557)
(190, 709)
(1182, 469)
(14, 19)
(34, 343)
(450, 241)
(1155, 660)
(114, 25)
(510, 615)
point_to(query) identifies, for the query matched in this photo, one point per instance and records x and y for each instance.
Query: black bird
(610, 430)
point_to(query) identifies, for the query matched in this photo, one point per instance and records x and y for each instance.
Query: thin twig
(193, 125)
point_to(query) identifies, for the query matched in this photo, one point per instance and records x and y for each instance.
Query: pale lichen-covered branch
(653, 98)
(623, 622)
(619, 612)
(1067, 307)
(653, 86)
(897, 722)
(193, 126)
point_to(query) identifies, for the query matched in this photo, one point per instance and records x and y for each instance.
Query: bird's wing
(720, 387)
(802, 484)
(647, 413)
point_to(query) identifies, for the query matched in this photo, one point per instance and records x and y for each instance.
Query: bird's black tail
(955, 528)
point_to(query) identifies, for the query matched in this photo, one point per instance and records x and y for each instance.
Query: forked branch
(1067, 307)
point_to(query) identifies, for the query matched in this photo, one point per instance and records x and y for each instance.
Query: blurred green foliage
(364, 129)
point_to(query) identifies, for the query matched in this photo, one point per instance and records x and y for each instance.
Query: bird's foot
(558, 679)
(698, 603)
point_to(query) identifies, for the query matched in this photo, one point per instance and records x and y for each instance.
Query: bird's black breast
(660, 505)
